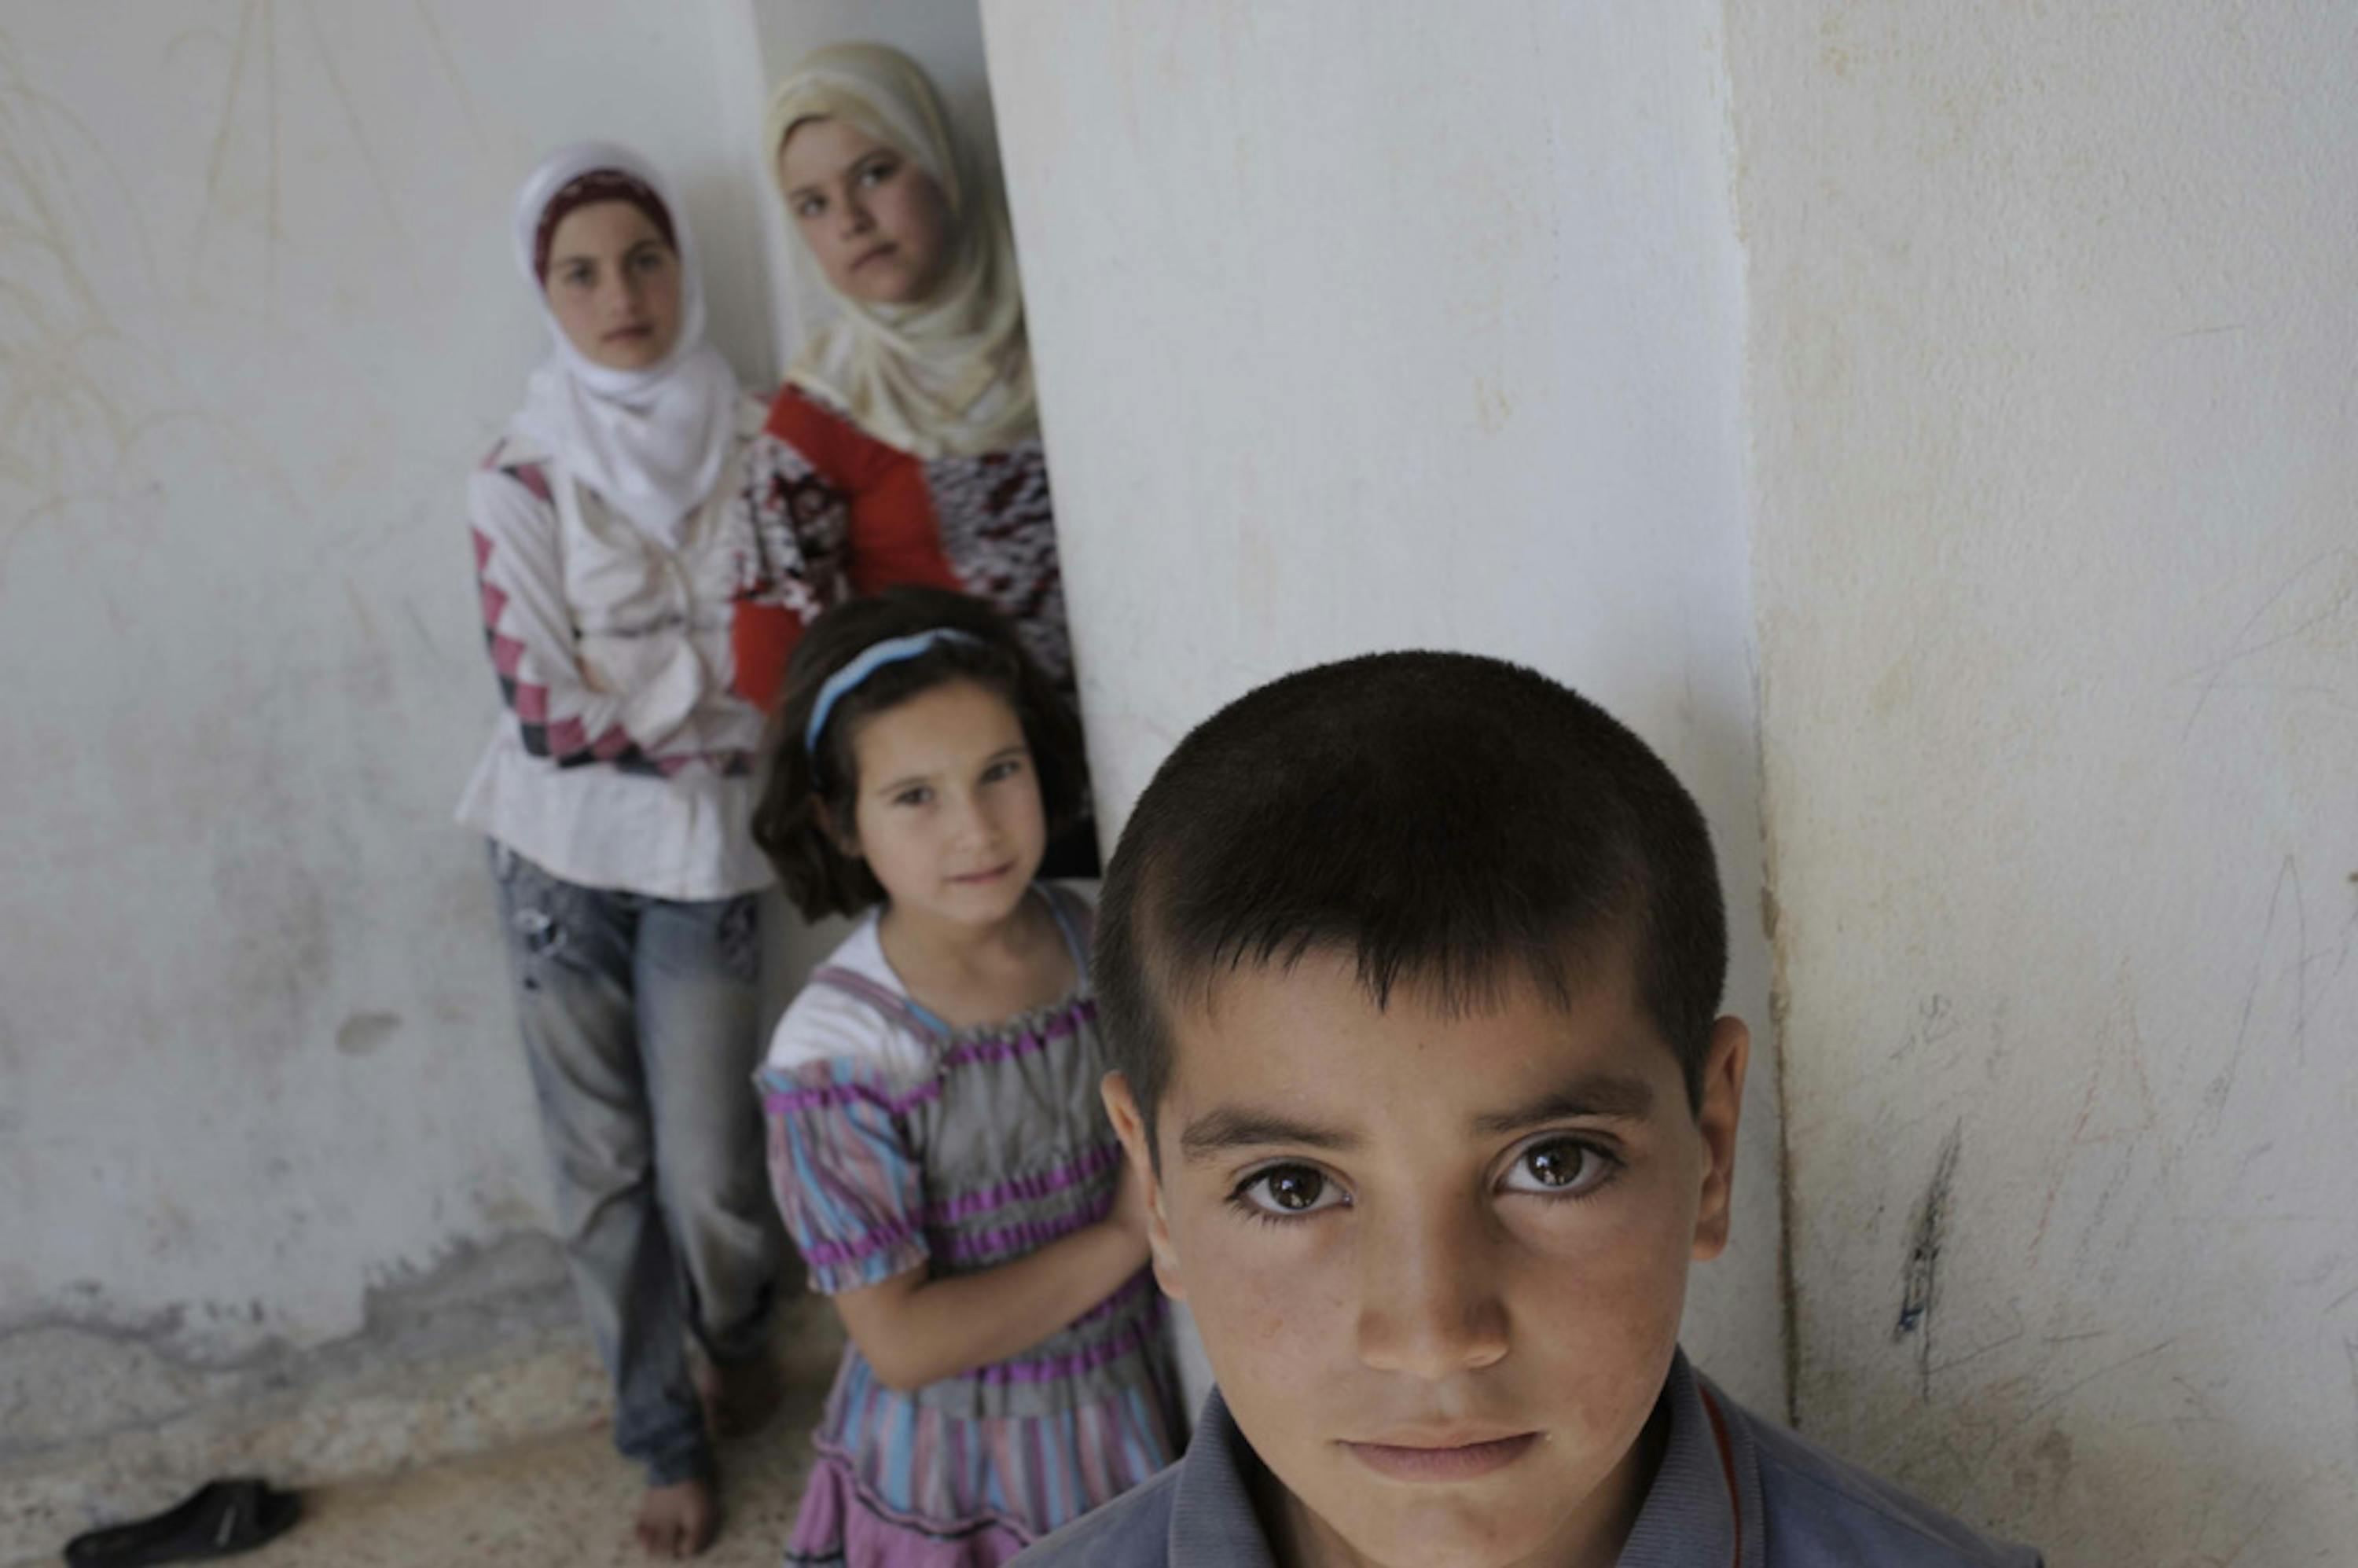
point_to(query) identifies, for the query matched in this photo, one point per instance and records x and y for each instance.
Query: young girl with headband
(937, 1145)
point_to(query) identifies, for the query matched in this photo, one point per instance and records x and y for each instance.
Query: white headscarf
(949, 375)
(650, 441)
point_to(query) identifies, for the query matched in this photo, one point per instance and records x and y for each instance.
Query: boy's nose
(1429, 1301)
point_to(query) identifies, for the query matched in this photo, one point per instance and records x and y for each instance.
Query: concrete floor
(564, 1500)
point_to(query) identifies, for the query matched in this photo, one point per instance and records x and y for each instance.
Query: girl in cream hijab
(928, 354)
(914, 408)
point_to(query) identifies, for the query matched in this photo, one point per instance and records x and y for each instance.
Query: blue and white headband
(874, 657)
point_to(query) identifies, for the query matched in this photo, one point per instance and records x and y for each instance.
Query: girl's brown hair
(811, 788)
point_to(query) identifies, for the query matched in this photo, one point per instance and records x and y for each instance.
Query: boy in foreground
(1409, 967)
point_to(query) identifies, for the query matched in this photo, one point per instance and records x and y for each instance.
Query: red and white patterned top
(626, 755)
(868, 516)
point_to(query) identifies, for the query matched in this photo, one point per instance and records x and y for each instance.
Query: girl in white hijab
(627, 519)
(647, 430)
(915, 404)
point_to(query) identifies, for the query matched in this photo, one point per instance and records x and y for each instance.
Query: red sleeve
(762, 637)
(895, 535)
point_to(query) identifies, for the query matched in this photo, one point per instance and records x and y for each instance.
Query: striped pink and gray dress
(898, 1144)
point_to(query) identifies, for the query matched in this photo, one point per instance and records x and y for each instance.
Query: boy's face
(1438, 1261)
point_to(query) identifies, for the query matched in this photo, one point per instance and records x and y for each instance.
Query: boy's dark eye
(1555, 1165)
(1295, 1189)
(1558, 1167)
(1284, 1191)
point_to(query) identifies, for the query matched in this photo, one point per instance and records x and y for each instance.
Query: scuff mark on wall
(1936, 1024)
(79, 393)
(449, 62)
(359, 129)
(2047, 1465)
(54, 392)
(1920, 1292)
(2298, 642)
(2293, 967)
(241, 54)
(364, 1033)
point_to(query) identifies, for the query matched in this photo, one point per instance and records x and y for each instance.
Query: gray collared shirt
(1732, 1492)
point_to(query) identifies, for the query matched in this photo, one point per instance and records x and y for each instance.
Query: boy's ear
(1137, 1147)
(1716, 1118)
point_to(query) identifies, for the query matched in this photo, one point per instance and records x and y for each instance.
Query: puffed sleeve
(849, 1184)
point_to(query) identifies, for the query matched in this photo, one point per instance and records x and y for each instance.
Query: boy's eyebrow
(1603, 1095)
(1229, 1127)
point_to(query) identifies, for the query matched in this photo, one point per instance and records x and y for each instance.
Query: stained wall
(1360, 327)
(265, 1125)
(2054, 321)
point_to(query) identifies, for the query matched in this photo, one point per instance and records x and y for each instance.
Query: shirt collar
(1212, 1519)
(1704, 1502)
(1705, 1499)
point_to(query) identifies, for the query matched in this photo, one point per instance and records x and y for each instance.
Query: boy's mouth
(1440, 1456)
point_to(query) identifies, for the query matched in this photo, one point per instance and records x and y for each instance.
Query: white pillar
(1371, 323)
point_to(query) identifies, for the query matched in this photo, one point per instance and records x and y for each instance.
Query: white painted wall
(258, 320)
(1368, 326)
(2055, 317)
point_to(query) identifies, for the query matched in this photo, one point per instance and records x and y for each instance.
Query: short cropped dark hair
(1438, 818)
(789, 824)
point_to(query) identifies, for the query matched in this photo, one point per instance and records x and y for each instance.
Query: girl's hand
(916, 1328)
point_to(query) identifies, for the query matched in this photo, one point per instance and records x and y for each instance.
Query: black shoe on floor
(221, 1518)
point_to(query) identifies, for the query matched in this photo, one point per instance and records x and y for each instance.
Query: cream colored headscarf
(949, 375)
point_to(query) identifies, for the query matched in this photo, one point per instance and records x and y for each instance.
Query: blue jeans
(640, 1025)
